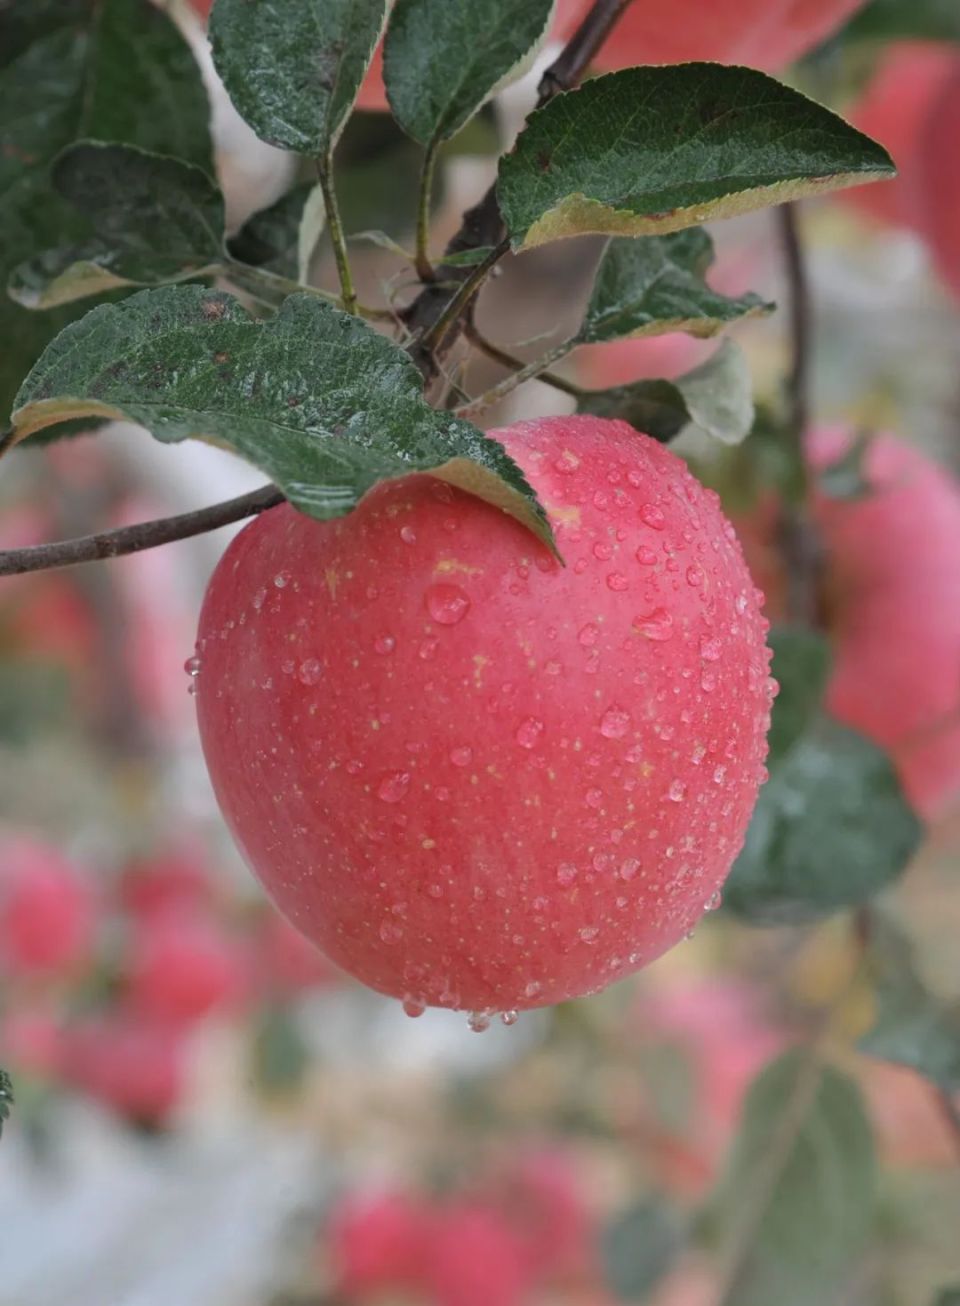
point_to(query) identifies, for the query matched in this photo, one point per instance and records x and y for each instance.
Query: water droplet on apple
(413, 1007)
(461, 756)
(614, 723)
(566, 874)
(652, 516)
(447, 604)
(528, 732)
(384, 644)
(310, 672)
(509, 1017)
(393, 786)
(656, 625)
(479, 1021)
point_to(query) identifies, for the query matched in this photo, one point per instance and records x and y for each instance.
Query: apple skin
(766, 34)
(895, 109)
(474, 777)
(892, 591)
(938, 179)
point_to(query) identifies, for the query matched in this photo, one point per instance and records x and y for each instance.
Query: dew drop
(479, 1021)
(629, 868)
(390, 931)
(461, 756)
(646, 556)
(509, 1017)
(528, 732)
(427, 649)
(393, 786)
(656, 625)
(677, 791)
(258, 599)
(602, 551)
(710, 648)
(567, 462)
(617, 582)
(708, 681)
(192, 666)
(447, 604)
(310, 672)
(593, 798)
(566, 874)
(714, 901)
(413, 1007)
(281, 579)
(552, 668)
(532, 989)
(652, 516)
(408, 535)
(588, 635)
(719, 775)
(614, 723)
(589, 933)
(694, 575)
(384, 644)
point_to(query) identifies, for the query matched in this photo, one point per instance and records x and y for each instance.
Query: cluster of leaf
(104, 190)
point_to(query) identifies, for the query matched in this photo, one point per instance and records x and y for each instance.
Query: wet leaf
(293, 67)
(651, 150)
(322, 404)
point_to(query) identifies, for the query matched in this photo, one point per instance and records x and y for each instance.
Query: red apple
(895, 109)
(766, 34)
(893, 594)
(135, 1067)
(938, 179)
(477, 778)
(476, 1258)
(182, 968)
(379, 1240)
(174, 879)
(47, 917)
(619, 362)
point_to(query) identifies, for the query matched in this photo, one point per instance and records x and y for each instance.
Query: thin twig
(143, 535)
(577, 56)
(433, 338)
(514, 380)
(513, 364)
(799, 542)
(335, 227)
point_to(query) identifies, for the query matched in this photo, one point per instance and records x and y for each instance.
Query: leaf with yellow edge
(651, 150)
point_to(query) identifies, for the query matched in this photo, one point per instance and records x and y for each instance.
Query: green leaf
(652, 150)
(715, 398)
(648, 287)
(912, 1027)
(293, 67)
(313, 397)
(948, 1297)
(6, 1098)
(155, 220)
(443, 58)
(283, 237)
(831, 828)
(797, 1198)
(801, 665)
(638, 1247)
(109, 69)
(920, 20)
(281, 1058)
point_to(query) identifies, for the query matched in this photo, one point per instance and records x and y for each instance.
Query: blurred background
(207, 1113)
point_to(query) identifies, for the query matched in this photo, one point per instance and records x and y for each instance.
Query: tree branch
(799, 542)
(133, 539)
(483, 224)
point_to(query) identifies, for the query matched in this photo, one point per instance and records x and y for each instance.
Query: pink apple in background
(892, 589)
(938, 178)
(183, 967)
(128, 1064)
(47, 909)
(766, 34)
(373, 93)
(619, 362)
(379, 1241)
(174, 879)
(541, 1194)
(476, 1258)
(896, 109)
(31, 1037)
(476, 778)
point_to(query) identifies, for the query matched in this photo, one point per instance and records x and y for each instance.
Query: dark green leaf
(443, 58)
(155, 220)
(293, 67)
(6, 1098)
(831, 829)
(912, 1026)
(638, 1247)
(315, 398)
(280, 1055)
(715, 398)
(929, 20)
(109, 69)
(652, 150)
(797, 1197)
(648, 287)
(283, 237)
(801, 664)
